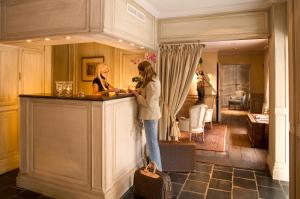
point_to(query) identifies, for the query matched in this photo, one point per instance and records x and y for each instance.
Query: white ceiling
(179, 8)
(236, 46)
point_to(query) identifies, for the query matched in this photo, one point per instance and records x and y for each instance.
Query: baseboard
(69, 191)
(279, 171)
(9, 163)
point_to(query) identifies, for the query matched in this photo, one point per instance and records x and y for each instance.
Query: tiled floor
(8, 189)
(238, 149)
(212, 181)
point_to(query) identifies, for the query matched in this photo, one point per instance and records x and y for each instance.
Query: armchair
(239, 99)
(196, 121)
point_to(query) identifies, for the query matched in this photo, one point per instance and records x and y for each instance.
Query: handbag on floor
(152, 184)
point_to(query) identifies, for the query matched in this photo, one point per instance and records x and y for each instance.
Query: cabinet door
(32, 72)
(8, 109)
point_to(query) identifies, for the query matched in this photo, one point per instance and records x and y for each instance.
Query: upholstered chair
(196, 121)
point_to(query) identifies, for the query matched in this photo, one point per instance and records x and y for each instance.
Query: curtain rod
(179, 43)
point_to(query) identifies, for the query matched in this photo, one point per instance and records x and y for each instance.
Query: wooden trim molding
(215, 27)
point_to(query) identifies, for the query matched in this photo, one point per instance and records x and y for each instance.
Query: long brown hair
(148, 72)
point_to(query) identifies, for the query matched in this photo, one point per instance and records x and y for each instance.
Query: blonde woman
(100, 84)
(149, 111)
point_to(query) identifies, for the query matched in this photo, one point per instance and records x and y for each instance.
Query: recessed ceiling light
(120, 40)
(47, 39)
(28, 40)
(142, 47)
(68, 37)
(132, 44)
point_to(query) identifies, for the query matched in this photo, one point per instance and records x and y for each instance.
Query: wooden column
(278, 158)
(294, 102)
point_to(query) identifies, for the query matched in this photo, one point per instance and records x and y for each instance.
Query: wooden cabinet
(113, 19)
(126, 19)
(258, 131)
(256, 102)
(23, 19)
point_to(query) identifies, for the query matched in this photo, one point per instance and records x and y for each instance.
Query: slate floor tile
(270, 193)
(195, 186)
(286, 189)
(222, 175)
(267, 182)
(262, 173)
(243, 183)
(220, 184)
(28, 195)
(223, 168)
(199, 176)
(216, 194)
(176, 188)
(9, 192)
(243, 174)
(239, 193)
(178, 177)
(190, 195)
(203, 168)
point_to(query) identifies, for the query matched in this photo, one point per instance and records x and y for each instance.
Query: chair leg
(190, 137)
(211, 125)
(203, 136)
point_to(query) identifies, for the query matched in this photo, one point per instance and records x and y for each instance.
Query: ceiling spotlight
(120, 40)
(47, 39)
(68, 37)
(28, 40)
(142, 47)
(132, 44)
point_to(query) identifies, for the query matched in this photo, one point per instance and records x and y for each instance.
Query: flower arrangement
(149, 56)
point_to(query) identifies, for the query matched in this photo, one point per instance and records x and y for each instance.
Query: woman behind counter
(149, 111)
(100, 84)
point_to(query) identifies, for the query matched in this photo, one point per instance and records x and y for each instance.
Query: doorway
(234, 78)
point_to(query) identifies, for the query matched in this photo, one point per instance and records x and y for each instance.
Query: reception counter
(78, 147)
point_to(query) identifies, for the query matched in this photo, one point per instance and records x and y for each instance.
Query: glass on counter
(68, 88)
(59, 87)
(64, 88)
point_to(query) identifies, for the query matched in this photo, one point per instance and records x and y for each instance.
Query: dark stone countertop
(77, 97)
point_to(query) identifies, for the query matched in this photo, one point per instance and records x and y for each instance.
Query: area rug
(214, 139)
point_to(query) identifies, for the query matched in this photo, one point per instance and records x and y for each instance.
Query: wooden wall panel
(30, 18)
(8, 108)
(8, 75)
(121, 24)
(32, 71)
(217, 27)
(9, 145)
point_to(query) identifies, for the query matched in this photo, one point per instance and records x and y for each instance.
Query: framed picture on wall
(89, 67)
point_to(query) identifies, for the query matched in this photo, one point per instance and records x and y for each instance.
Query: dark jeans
(201, 93)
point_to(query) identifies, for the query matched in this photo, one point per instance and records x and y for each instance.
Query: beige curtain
(177, 66)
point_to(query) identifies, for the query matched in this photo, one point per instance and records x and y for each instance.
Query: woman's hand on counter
(135, 92)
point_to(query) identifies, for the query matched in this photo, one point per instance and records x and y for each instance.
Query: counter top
(76, 97)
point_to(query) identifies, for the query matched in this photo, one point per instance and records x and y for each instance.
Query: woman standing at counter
(100, 84)
(149, 110)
